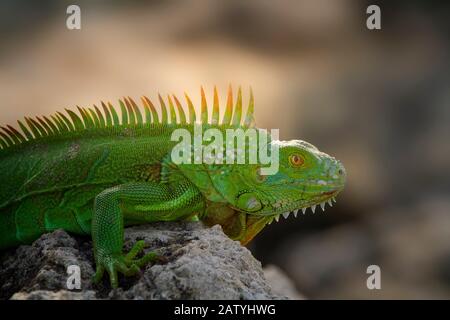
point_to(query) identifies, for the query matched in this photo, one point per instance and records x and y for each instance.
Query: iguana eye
(296, 160)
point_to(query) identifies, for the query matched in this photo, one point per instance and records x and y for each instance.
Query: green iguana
(95, 175)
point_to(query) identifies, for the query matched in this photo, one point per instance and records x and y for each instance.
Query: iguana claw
(125, 264)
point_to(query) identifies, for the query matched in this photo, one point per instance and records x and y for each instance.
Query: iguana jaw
(320, 201)
(255, 223)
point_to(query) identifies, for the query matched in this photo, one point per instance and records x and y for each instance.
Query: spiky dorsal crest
(94, 118)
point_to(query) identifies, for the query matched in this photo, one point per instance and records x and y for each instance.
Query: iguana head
(306, 178)
(240, 197)
(243, 200)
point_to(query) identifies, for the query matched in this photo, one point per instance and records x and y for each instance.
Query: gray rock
(281, 283)
(199, 263)
(58, 295)
(43, 265)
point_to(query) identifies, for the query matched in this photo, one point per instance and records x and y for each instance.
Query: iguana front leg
(138, 202)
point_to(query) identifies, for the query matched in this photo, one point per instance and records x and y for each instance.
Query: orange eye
(296, 160)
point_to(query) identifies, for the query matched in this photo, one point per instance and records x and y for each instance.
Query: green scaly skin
(96, 175)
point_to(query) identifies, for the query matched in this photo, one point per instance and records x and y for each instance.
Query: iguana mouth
(328, 193)
(328, 198)
(254, 222)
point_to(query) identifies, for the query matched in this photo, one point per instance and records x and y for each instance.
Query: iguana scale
(96, 174)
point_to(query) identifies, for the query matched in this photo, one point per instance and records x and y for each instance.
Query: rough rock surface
(200, 263)
(281, 283)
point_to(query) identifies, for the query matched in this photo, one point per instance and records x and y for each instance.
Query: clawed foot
(125, 264)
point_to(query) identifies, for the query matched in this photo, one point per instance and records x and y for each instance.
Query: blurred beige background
(377, 100)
